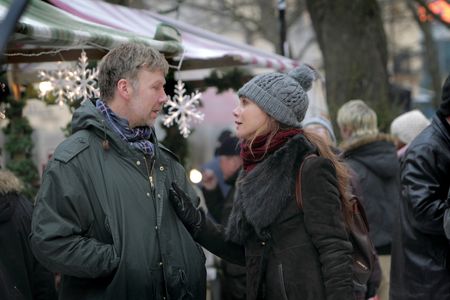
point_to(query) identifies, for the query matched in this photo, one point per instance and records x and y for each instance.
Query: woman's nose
(236, 111)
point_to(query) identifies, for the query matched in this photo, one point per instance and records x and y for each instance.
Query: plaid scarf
(136, 137)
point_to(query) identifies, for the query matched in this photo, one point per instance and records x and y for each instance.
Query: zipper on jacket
(150, 173)
(359, 263)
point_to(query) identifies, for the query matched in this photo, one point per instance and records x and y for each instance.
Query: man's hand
(190, 216)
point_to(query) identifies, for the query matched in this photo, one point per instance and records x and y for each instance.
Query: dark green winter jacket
(103, 219)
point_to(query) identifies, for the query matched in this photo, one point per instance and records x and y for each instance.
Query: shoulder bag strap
(298, 181)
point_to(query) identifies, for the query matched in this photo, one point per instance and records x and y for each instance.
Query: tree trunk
(353, 44)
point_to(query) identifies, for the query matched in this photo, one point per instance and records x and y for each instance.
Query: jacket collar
(266, 190)
(88, 117)
(358, 142)
(443, 126)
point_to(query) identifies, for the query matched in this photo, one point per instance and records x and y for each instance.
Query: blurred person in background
(322, 127)
(232, 276)
(421, 251)
(21, 275)
(372, 157)
(211, 170)
(406, 127)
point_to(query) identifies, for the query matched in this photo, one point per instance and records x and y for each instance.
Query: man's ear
(123, 88)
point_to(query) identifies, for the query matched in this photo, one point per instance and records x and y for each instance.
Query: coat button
(160, 263)
(161, 168)
(148, 194)
(138, 163)
(263, 243)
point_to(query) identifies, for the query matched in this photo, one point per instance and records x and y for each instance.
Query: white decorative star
(85, 80)
(183, 110)
(61, 84)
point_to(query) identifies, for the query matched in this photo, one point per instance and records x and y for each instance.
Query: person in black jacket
(21, 276)
(420, 254)
(288, 252)
(373, 159)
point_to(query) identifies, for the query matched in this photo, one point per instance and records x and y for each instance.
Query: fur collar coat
(292, 253)
(253, 209)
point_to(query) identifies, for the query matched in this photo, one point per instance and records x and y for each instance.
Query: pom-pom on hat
(282, 96)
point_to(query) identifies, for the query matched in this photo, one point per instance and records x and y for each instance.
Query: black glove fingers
(177, 199)
(179, 191)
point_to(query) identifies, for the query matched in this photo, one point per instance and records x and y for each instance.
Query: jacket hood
(87, 117)
(9, 185)
(376, 152)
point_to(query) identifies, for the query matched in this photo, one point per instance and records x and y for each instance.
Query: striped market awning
(46, 28)
(202, 49)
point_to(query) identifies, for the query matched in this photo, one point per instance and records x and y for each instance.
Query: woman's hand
(191, 216)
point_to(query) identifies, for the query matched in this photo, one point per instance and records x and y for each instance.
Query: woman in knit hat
(406, 127)
(289, 253)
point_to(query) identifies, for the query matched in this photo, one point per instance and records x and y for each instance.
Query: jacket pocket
(177, 284)
(281, 278)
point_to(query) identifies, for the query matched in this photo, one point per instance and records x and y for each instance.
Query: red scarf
(259, 150)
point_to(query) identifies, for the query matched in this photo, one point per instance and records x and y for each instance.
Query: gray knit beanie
(282, 96)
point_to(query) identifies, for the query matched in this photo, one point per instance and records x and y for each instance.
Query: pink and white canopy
(202, 48)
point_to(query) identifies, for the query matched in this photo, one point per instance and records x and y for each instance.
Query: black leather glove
(191, 216)
(203, 230)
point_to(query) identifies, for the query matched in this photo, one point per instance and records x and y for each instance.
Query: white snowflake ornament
(85, 80)
(71, 83)
(61, 84)
(183, 110)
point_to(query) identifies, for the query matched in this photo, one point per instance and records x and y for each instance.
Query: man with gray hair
(372, 158)
(102, 215)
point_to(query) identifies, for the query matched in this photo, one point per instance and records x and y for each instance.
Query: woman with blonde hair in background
(372, 158)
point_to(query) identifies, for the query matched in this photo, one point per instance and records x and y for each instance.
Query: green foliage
(28, 174)
(19, 146)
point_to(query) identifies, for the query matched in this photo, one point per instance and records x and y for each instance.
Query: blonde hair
(358, 117)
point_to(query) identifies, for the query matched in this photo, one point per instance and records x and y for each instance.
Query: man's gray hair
(125, 61)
